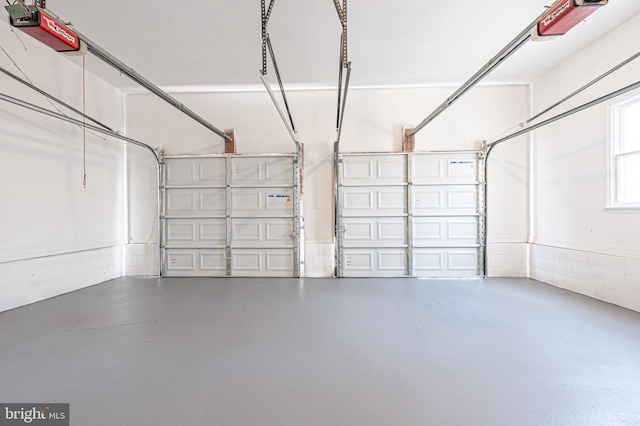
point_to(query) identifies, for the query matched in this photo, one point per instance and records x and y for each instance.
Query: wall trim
(44, 253)
(616, 251)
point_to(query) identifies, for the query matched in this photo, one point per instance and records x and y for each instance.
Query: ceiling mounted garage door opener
(42, 26)
(563, 17)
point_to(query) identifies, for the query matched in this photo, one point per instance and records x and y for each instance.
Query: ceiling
(216, 43)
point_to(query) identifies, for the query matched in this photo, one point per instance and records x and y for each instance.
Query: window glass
(624, 179)
(630, 123)
(629, 178)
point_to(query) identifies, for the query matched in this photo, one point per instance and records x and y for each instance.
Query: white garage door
(409, 214)
(231, 216)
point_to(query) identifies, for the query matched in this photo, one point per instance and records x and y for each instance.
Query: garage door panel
(262, 263)
(463, 231)
(445, 231)
(374, 170)
(392, 261)
(386, 215)
(379, 232)
(181, 232)
(262, 171)
(213, 262)
(195, 172)
(382, 262)
(374, 201)
(251, 232)
(446, 168)
(429, 262)
(445, 200)
(195, 232)
(462, 198)
(445, 262)
(463, 261)
(253, 236)
(213, 232)
(360, 199)
(195, 263)
(195, 202)
(261, 202)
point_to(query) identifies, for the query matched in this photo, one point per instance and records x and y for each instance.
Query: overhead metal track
(583, 88)
(519, 41)
(53, 98)
(568, 113)
(62, 117)
(111, 60)
(575, 93)
(490, 147)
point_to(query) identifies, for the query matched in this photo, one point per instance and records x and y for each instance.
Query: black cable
(284, 95)
(51, 97)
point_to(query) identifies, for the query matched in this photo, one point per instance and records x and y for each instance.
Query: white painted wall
(56, 236)
(373, 122)
(572, 231)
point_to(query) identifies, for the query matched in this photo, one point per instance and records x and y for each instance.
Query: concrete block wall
(613, 279)
(142, 259)
(28, 281)
(507, 259)
(319, 260)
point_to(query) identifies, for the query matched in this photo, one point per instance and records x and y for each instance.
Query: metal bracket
(266, 14)
(342, 14)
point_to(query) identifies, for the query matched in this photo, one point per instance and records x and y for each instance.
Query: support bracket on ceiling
(342, 14)
(266, 15)
(343, 80)
(267, 48)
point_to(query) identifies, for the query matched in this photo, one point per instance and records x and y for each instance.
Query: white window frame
(614, 154)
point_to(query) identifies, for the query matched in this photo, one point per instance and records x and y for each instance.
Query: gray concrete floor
(325, 352)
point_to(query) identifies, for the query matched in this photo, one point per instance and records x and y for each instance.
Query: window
(624, 191)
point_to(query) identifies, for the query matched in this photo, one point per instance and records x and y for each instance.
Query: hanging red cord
(84, 122)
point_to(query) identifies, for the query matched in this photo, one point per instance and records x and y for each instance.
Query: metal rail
(568, 113)
(111, 60)
(585, 87)
(279, 78)
(343, 102)
(53, 98)
(62, 117)
(294, 136)
(519, 41)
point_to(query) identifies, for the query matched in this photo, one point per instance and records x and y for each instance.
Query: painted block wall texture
(28, 281)
(46, 210)
(571, 156)
(142, 259)
(507, 259)
(600, 248)
(613, 279)
(319, 260)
